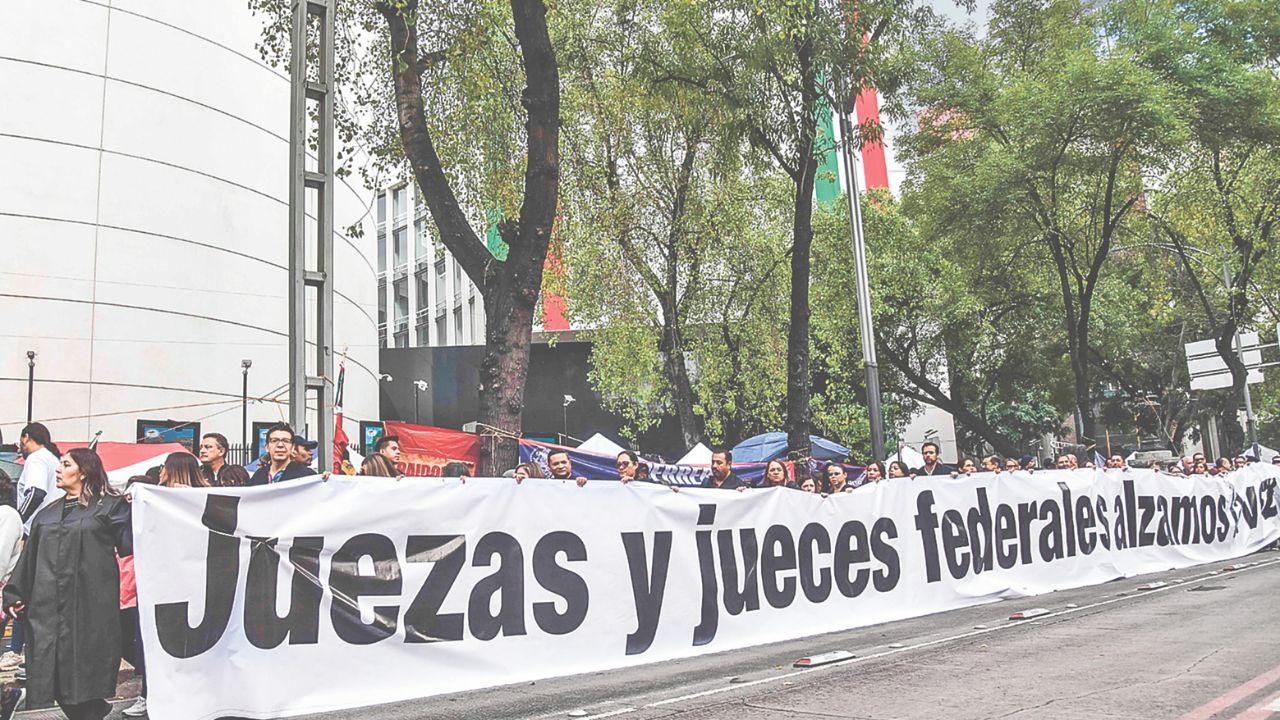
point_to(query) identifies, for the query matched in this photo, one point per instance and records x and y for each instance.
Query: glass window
(457, 277)
(382, 251)
(402, 246)
(457, 325)
(382, 303)
(382, 208)
(440, 339)
(424, 291)
(401, 204)
(402, 339)
(401, 288)
(440, 301)
(422, 240)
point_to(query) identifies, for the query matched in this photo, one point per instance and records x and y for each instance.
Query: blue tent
(773, 445)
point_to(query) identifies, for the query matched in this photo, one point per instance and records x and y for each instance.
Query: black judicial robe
(68, 579)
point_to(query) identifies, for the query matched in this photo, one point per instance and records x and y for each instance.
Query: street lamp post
(31, 381)
(244, 403)
(568, 399)
(418, 386)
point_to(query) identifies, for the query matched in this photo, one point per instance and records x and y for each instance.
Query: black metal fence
(239, 454)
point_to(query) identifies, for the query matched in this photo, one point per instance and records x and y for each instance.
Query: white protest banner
(310, 596)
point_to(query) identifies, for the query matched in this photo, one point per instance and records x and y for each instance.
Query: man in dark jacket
(213, 462)
(722, 475)
(279, 465)
(932, 466)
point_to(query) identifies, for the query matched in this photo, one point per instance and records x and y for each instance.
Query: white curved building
(143, 221)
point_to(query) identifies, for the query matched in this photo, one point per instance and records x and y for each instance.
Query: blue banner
(604, 467)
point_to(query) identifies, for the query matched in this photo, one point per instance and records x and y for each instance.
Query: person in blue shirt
(281, 466)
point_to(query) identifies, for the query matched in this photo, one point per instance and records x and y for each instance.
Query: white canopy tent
(600, 445)
(910, 456)
(698, 455)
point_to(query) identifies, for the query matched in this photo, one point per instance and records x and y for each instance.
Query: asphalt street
(1201, 646)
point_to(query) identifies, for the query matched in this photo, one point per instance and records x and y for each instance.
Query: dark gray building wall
(452, 397)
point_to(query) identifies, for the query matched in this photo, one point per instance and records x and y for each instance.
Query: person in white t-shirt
(37, 487)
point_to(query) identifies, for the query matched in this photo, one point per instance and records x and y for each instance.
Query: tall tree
(466, 97)
(1056, 132)
(768, 63)
(1220, 205)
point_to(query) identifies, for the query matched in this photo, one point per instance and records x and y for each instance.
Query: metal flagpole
(865, 326)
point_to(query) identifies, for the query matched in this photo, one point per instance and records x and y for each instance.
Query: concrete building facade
(143, 222)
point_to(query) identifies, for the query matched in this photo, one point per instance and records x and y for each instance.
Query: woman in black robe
(67, 585)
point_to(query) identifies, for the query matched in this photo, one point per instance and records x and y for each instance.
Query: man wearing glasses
(281, 466)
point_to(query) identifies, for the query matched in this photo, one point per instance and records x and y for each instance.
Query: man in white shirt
(37, 487)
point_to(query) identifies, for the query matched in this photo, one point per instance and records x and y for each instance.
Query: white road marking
(928, 643)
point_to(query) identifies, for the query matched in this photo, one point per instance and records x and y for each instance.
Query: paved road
(1204, 646)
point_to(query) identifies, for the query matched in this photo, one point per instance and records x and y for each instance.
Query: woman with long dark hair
(775, 475)
(73, 652)
(181, 469)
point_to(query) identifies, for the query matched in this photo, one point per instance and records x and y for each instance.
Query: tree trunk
(798, 388)
(510, 288)
(508, 333)
(677, 372)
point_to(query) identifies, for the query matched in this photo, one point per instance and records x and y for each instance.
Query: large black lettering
(1104, 533)
(1131, 514)
(955, 543)
(423, 622)
(779, 556)
(1224, 518)
(852, 549)
(1146, 537)
(1269, 507)
(980, 533)
(1086, 536)
(560, 580)
(1051, 534)
(882, 531)
(1208, 515)
(1164, 533)
(348, 586)
(1006, 534)
(1026, 513)
(1068, 519)
(222, 574)
(814, 540)
(263, 627)
(1185, 529)
(507, 583)
(705, 631)
(648, 584)
(744, 596)
(927, 524)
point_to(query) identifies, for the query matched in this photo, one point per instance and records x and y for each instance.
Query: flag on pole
(341, 464)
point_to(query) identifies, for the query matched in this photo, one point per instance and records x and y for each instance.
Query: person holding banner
(74, 650)
(835, 479)
(627, 464)
(377, 465)
(898, 469)
(281, 466)
(932, 465)
(874, 472)
(561, 467)
(722, 475)
(775, 475)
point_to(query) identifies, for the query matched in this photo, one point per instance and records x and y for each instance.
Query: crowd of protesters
(66, 532)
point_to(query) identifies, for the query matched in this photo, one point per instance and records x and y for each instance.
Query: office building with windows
(424, 297)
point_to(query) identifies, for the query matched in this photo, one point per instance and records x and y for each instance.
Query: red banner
(426, 450)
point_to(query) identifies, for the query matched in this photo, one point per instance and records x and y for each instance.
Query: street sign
(1209, 371)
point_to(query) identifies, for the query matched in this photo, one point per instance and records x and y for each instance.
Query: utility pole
(418, 386)
(311, 85)
(31, 381)
(244, 406)
(1250, 420)
(865, 326)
